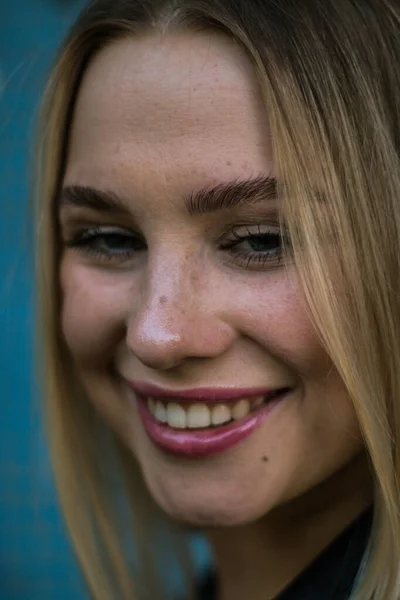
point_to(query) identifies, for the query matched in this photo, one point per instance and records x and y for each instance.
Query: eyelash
(88, 240)
(85, 241)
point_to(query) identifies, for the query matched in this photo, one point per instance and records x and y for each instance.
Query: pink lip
(206, 442)
(198, 394)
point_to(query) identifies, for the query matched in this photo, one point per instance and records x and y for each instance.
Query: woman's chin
(208, 506)
(206, 516)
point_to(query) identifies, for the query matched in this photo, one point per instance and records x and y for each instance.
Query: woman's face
(176, 297)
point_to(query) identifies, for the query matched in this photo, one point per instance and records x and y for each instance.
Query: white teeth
(241, 409)
(221, 414)
(160, 412)
(198, 415)
(176, 415)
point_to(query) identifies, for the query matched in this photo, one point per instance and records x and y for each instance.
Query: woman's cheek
(272, 313)
(94, 309)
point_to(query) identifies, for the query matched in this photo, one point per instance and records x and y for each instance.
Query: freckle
(163, 299)
(228, 163)
(265, 459)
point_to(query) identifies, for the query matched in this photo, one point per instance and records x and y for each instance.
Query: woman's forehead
(188, 98)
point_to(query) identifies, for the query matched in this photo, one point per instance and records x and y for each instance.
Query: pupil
(117, 241)
(265, 242)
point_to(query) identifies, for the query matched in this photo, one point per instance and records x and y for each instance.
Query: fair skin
(156, 120)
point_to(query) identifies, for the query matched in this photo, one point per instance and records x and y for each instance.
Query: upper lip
(203, 394)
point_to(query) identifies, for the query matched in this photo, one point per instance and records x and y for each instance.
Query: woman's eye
(265, 242)
(254, 247)
(107, 243)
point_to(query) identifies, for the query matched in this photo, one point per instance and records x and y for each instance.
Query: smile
(204, 423)
(199, 415)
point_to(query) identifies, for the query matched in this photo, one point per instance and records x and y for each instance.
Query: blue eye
(255, 246)
(107, 243)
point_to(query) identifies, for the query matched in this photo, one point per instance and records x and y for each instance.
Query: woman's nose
(176, 321)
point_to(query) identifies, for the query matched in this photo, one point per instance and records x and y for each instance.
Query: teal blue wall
(35, 561)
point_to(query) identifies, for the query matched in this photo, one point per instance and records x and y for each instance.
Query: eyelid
(85, 231)
(74, 219)
(256, 229)
(103, 230)
(243, 231)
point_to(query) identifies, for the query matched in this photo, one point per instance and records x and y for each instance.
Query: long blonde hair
(329, 71)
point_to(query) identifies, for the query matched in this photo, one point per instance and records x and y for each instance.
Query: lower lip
(204, 442)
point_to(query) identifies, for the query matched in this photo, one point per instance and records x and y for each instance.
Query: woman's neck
(260, 559)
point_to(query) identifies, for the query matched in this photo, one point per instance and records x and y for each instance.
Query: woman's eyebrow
(83, 196)
(231, 194)
(207, 200)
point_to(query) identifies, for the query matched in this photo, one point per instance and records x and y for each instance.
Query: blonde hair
(329, 71)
